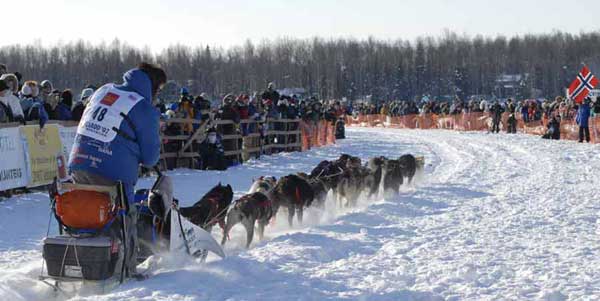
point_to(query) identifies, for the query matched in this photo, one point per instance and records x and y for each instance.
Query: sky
(225, 23)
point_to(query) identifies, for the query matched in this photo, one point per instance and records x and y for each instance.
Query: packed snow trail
(495, 217)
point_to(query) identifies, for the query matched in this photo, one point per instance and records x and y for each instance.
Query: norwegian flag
(582, 85)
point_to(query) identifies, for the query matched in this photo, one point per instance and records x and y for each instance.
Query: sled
(87, 249)
(95, 255)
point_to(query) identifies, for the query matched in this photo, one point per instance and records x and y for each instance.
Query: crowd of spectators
(268, 105)
(32, 101)
(22, 101)
(550, 112)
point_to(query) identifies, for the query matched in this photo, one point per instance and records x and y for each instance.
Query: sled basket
(93, 258)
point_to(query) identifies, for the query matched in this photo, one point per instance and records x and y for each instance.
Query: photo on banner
(44, 152)
(13, 170)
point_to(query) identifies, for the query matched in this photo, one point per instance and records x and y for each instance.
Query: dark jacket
(77, 111)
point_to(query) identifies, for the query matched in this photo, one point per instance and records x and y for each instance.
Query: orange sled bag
(83, 209)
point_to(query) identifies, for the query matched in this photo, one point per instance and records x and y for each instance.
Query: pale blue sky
(158, 23)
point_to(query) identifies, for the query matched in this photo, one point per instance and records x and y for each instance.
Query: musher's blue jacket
(119, 159)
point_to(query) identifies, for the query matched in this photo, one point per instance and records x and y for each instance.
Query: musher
(118, 131)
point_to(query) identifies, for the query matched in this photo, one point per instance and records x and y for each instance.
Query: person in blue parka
(583, 116)
(103, 157)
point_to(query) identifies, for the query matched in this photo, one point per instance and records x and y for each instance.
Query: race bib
(103, 113)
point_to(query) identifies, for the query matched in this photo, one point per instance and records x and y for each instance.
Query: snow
(494, 217)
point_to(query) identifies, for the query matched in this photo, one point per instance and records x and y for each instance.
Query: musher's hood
(138, 81)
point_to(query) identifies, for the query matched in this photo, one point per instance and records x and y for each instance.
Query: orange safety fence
(317, 134)
(477, 121)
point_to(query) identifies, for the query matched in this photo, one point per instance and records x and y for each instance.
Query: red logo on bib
(109, 99)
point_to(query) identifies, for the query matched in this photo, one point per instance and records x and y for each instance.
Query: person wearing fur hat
(29, 92)
(32, 105)
(12, 81)
(10, 99)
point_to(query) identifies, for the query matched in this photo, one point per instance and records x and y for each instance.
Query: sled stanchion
(125, 207)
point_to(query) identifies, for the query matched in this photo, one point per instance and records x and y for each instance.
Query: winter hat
(3, 86)
(170, 114)
(229, 98)
(11, 78)
(87, 92)
(30, 88)
(66, 97)
(46, 84)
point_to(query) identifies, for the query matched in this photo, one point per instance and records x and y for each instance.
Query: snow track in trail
(495, 217)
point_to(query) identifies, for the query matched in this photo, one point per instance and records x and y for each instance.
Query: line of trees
(439, 66)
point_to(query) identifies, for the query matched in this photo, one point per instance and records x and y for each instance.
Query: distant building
(510, 85)
(301, 93)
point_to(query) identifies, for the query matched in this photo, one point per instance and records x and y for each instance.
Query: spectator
(484, 106)
(202, 106)
(79, 107)
(243, 110)
(3, 69)
(553, 131)
(51, 104)
(496, 113)
(63, 109)
(6, 114)
(10, 100)
(583, 115)
(12, 81)
(525, 111)
(29, 94)
(212, 154)
(186, 110)
(35, 107)
(20, 79)
(271, 93)
(230, 112)
(596, 108)
(46, 88)
(512, 120)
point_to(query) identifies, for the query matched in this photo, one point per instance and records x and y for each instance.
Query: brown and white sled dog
(263, 184)
(249, 209)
